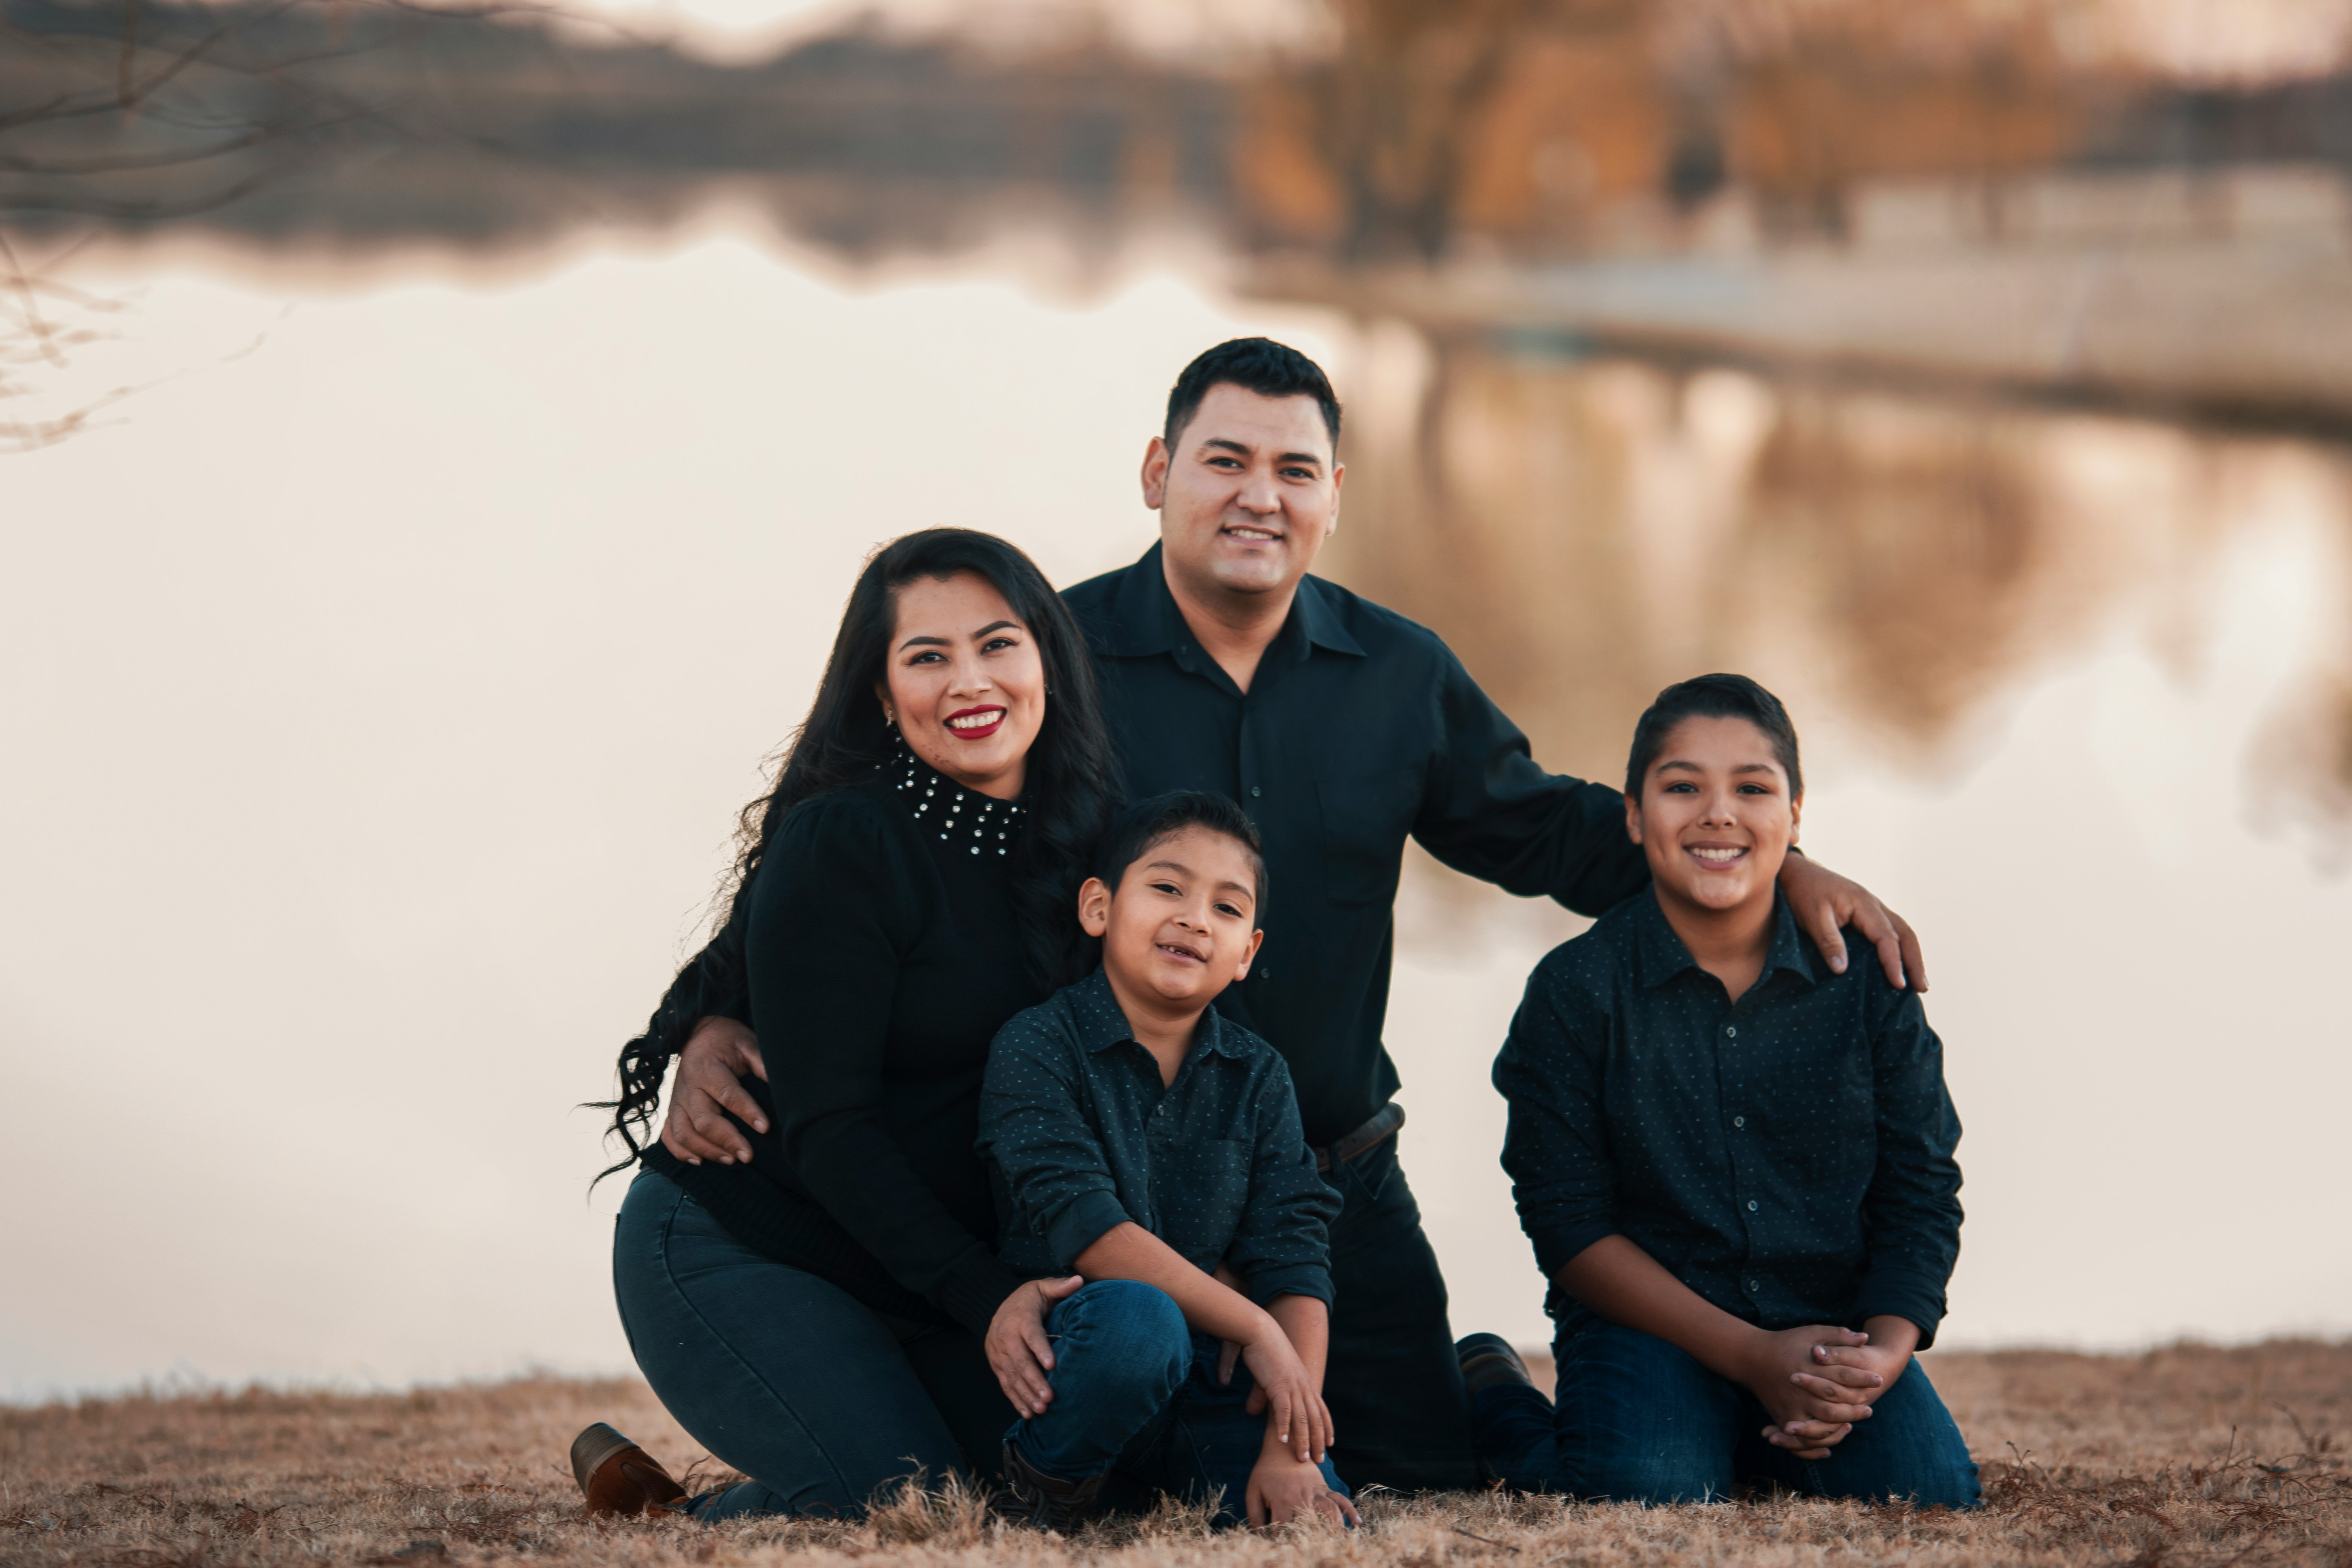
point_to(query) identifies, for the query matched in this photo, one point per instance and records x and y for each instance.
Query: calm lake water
(380, 679)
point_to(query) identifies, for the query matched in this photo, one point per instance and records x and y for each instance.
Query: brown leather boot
(617, 1477)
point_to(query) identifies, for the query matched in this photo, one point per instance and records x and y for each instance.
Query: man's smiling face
(1248, 494)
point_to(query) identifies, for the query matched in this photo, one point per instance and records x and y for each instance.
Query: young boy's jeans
(1638, 1420)
(1136, 1396)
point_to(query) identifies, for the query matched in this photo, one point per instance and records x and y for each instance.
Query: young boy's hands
(1812, 1404)
(1283, 1488)
(1297, 1419)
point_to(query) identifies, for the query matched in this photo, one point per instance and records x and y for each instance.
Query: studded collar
(963, 818)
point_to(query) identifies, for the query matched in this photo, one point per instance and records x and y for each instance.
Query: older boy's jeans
(1136, 1398)
(1638, 1420)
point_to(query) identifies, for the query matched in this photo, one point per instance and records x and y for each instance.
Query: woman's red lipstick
(975, 732)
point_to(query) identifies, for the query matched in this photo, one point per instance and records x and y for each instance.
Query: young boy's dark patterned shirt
(1080, 1136)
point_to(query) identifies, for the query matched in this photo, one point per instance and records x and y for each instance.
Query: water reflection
(458, 616)
(1585, 532)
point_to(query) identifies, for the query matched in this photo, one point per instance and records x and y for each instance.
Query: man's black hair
(1254, 364)
(1714, 697)
(1134, 831)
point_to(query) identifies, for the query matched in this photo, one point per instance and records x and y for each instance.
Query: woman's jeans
(786, 1377)
(1638, 1420)
(1136, 1398)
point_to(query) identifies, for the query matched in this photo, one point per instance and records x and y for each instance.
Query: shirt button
(1740, 1122)
(1752, 1205)
(1729, 1033)
(1256, 792)
(1755, 1285)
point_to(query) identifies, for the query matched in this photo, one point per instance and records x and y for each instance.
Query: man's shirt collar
(1146, 621)
(1100, 1025)
(1661, 954)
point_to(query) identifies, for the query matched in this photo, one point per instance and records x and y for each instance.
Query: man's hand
(1019, 1350)
(709, 1084)
(1824, 901)
(1283, 1488)
(1782, 1371)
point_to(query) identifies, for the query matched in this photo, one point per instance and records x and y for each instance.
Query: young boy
(1139, 1140)
(1734, 1164)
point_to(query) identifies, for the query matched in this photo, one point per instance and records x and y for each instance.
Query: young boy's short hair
(1135, 830)
(1713, 696)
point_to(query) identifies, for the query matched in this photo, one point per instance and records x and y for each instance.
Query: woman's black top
(882, 952)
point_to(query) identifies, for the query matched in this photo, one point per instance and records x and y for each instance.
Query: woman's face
(965, 682)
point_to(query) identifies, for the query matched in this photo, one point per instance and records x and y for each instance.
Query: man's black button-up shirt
(1789, 1157)
(1080, 1136)
(1360, 728)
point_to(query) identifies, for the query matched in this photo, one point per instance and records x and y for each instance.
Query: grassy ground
(2179, 1458)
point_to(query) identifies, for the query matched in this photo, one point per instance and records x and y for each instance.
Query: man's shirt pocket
(1366, 818)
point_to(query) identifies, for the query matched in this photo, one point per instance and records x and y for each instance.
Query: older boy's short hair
(1713, 696)
(1135, 830)
(1254, 364)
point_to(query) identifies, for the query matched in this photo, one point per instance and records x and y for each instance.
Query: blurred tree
(131, 114)
(1400, 102)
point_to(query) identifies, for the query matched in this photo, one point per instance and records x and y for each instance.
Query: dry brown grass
(2181, 1458)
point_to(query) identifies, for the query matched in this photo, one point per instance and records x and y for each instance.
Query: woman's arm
(834, 906)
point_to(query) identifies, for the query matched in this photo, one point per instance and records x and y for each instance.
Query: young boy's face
(1715, 818)
(1182, 923)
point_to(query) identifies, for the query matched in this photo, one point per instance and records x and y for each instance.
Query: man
(1341, 728)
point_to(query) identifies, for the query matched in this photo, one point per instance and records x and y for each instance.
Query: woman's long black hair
(1068, 791)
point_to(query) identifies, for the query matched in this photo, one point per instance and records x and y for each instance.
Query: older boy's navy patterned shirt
(1789, 1157)
(1080, 1137)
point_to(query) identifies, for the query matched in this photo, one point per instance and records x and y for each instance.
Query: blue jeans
(786, 1377)
(1136, 1398)
(1638, 1420)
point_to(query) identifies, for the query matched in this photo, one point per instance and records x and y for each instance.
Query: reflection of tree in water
(1585, 532)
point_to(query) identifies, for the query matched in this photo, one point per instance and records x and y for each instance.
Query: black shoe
(1048, 1502)
(1489, 1362)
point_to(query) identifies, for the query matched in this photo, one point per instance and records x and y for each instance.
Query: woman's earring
(889, 720)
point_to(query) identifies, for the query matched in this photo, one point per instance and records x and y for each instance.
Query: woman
(822, 1319)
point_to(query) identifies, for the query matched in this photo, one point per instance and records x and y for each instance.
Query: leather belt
(1371, 1135)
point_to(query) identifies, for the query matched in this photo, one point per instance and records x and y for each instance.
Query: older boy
(1736, 1166)
(1151, 1146)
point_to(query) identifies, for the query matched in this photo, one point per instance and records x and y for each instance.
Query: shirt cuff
(1556, 1244)
(1917, 1297)
(1291, 1279)
(974, 1288)
(1083, 1220)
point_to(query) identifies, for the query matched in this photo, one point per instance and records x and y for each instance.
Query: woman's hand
(1283, 1488)
(1296, 1419)
(1019, 1350)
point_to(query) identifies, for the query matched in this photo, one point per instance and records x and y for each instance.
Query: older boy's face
(1182, 924)
(1715, 817)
